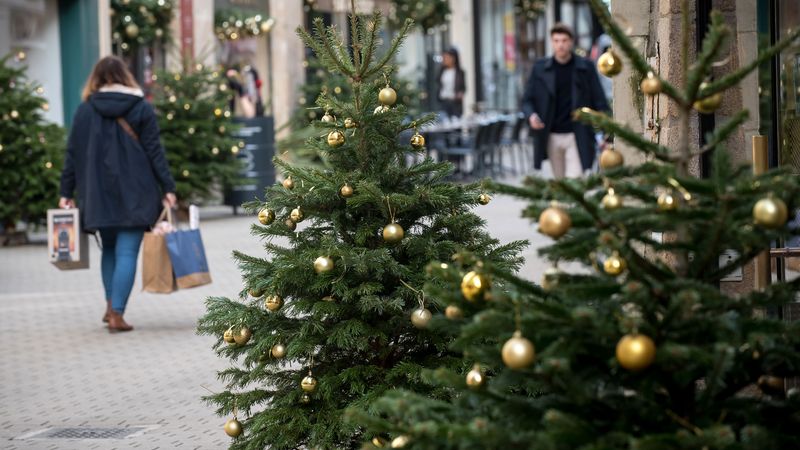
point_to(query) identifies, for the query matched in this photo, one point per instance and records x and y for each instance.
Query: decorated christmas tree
(641, 349)
(140, 23)
(195, 119)
(333, 314)
(31, 150)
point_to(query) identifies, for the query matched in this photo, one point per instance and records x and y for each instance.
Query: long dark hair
(109, 70)
(454, 53)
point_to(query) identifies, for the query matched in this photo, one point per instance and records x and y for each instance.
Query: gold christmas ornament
(709, 104)
(667, 202)
(349, 123)
(484, 199)
(380, 109)
(475, 377)
(387, 96)
(379, 442)
(290, 224)
(328, 118)
(14, 114)
(770, 212)
(610, 158)
(417, 141)
(550, 278)
(328, 298)
(288, 183)
(474, 286)
(772, 385)
(273, 302)
(554, 222)
(453, 312)
(255, 293)
(651, 84)
(335, 139)
(233, 428)
(609, 63)
(309, 383)
(243, 336)
(228, 336)
(297, 215)
(518, 352)
(393, 233)
(266, 216)
(278, 351)
(611, 200)
(132, 30)
(420, 317)
(305, 399)
(323, 264)
(346, 191)
(614, 264)
(635, 352)
(400, 441)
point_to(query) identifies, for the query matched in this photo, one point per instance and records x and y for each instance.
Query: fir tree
(333, 314)
(642, 350)
(31, 150)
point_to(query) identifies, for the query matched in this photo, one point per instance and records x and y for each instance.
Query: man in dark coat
(557, 86)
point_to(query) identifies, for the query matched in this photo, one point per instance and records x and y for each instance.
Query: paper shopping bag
(157, 274)
(67, 246)
(188, 258)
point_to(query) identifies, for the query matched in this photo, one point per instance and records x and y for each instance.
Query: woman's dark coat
(119, 181)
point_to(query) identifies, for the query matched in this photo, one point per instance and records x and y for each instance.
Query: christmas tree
(333, 314)
(31, 150)
(641, 350)
(195, 119)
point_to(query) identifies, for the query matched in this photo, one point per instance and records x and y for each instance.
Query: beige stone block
(674, 7)
(633, 16)
(746, 15)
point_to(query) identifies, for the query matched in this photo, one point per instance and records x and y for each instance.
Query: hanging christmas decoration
(228, 336)
(266, 216)
(305, 399)
(335, 139)
(328, 118)
(297, 215)
(475, 377)
(484, 199)
(400, 441)
(420, 317)
(387, 96)
(614, 264)
(233, 427)
(609, 63)
(550, 278)
(707, 105)
(475, 286)
(323, 264)
(273, 302)
(635, 352)
(393, 233)
(453, 312)
(554, 222)
(290, 224)
(137, 23)
(328, 298)
(667, 202)
(278, 351)
(611, 200)
(651, 84)
(417, 141)
(288, 183)
(770, 212)
(309, 383)
(610, 158)
(243, 336)
(232, 24)
(428, 14)
(518, 352)
(349, 123)
(255, 293)
(346, 191)
(380, 109)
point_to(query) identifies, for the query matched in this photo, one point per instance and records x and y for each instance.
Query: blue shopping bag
(188, 258)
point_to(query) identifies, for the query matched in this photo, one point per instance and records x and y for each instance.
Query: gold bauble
(614, 265)
(278, 351)
(233, 428)
(335, 138)
(770, 212)
(309, 383)
(400, 441)
(418, 141)
(484, 199)
(228, 336)
(243, 336)
(635, 352)
(328, 298)
(266, 216)
(667, 202)
(290, 224)
(651, 84)
(609, 63)
(132, 30)
(14, 114)
(380, 109)
(475, 377)
(273, 302)
(346, 191)
(474, 286)
(453, 312)
(297, 215)
(327, 118)
(610, 158)
(612, 200)
(709, 104)
(305, 399)
(550, 278)
(379, 442)
(554, 222)
(393, 233)
(772, 385)
(255, 293)
(288, 183)
(323, 264)
(349, 123)
(518, 352)
(420, 317)
(387, 96)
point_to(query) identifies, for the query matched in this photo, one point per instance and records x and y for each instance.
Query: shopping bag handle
(165, 213)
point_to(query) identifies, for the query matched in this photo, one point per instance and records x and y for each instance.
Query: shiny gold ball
(14, 114)
(233, 428)
(393, 233)
(418, 141)
(709, 104)
(651, 84)
(278, 351)
(420, 317)
(273, 302)
(518, 352)
(335, 138)
(453, 312)
(309, 383)
(400, 441)
(288, 183)
(305, 399)
(327, 118)
(475, 377)
(243, 336)
(770, 212)
(635, 352)
(379, 442)
(290, 224)
(550, 278)
(474, 286)
(323, 264)
(266, 216)
(484, 199)
(554, 222)
(255, 293)
(612, 201)
(610, 158)
(387, 96)
(346, 191)
(667, 202)
(228, 336)
(297, 215)
(132, 30)
(609, 63)
(349, 123)
(614, 265)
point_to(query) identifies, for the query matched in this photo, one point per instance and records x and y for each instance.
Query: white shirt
(447, 91)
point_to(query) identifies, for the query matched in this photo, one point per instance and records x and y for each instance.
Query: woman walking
(117, 166)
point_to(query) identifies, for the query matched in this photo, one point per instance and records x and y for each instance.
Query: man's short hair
(562, 28)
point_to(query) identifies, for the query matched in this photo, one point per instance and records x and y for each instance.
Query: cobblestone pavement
(61, 368)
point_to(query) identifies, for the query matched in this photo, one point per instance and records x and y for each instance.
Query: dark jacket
(119, 181)
(539, 98)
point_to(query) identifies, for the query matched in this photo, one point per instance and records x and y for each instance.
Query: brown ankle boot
(108, 311)
(116, 323)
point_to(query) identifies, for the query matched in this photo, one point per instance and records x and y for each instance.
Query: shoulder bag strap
(128, 129)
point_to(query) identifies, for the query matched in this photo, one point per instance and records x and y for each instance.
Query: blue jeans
(120, 252)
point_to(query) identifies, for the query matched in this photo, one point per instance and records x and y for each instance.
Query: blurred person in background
(452, 85)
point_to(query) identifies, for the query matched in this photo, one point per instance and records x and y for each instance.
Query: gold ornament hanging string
(235, 410)
(420, 294)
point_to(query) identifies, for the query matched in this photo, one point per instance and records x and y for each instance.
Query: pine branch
(712, 43)
(719, 134)
(371, 44)
(606, 123)
(395, 45)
